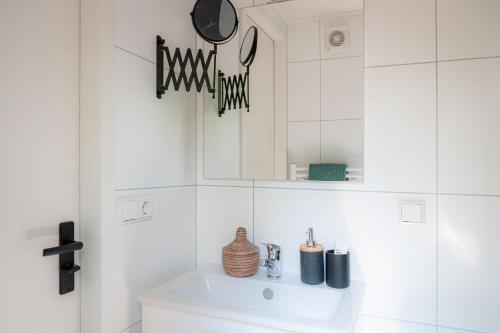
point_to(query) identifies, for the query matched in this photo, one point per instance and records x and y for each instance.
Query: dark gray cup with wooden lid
(312, 263)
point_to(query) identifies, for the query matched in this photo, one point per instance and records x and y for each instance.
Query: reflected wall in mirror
(306, 95)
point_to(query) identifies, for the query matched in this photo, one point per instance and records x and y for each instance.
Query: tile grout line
(437, 163)
(196, 176)
(154, 187)
(253, 212)
(417, 323)
(135, 54)
(324, 120)
(320, 97)
(140, 57)
(324, 59)
(469, 59)
(432, 62)
(351, 190)
(134, 324)
(399, 320)
(80, 153)
(196, 107)
(459, 329)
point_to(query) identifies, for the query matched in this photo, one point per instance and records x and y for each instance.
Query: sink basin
(206, 300)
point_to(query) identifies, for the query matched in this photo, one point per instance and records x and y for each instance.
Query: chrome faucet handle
(273, 251)
(273, 262)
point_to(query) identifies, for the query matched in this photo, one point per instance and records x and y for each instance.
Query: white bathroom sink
(285, 305)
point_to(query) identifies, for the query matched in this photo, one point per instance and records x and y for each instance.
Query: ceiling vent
(336, 39)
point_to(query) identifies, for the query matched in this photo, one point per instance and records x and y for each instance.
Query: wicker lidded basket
(240, 258)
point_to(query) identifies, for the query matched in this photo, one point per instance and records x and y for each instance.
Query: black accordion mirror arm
(234, 91)
(189, 65)
(215, 69)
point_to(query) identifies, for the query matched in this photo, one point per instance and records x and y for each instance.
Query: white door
(39, 158)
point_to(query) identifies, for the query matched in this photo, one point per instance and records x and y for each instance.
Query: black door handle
(66, 252)
(64, 249)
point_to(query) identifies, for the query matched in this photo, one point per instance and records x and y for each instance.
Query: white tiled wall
(150, 253)
(155, 145)
(304, 139)
(137, 328)
(369, 221)
(427, 123)
(342, 93)
(400, 31)
(325, 93)
(304, 91)
(469, 262)
(220, 211)
(155, 154)
(368, 324)
(468, 29)
(469, 116)
(138, 23)
(342, 142)
(400, 128)
(303, 41)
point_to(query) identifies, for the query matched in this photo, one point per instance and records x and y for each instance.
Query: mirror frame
(247, 62)
(201, 173)
(205, 38)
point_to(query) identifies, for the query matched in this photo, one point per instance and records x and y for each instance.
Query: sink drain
(268, 294)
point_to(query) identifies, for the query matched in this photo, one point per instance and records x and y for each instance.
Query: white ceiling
(298, 9)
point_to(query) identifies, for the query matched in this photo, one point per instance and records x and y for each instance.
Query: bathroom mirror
(306, 99)
(249, 47)
(215, 21)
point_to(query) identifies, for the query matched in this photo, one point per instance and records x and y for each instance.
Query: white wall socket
(135, 209)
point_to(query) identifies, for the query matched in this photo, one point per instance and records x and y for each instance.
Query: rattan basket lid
(241, 245)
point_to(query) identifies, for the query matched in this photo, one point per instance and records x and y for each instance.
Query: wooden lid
(241, 246)
(315, 248)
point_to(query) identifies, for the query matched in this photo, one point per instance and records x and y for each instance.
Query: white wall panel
(400, 31)
(400, 128)
(342, 88)
(151, 253)
(469, 154)
(469, 262)
(155, 141)
(303, 41)
(304, 91)
(220, 211)
(397, 262)
(138, 23)
(468, 29)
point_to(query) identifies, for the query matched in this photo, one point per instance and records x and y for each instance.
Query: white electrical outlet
(146, 208)
(135, 209)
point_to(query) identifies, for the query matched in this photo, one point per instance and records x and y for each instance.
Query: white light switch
(412, 211)
(129, 210)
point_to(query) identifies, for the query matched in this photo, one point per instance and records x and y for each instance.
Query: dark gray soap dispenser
(312, 266)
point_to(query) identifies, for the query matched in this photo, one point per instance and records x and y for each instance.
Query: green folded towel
(327, 172)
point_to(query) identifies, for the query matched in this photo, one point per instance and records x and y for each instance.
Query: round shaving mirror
(215, 21)
(249, 47)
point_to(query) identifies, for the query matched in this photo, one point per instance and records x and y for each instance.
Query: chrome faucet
(273, 261)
